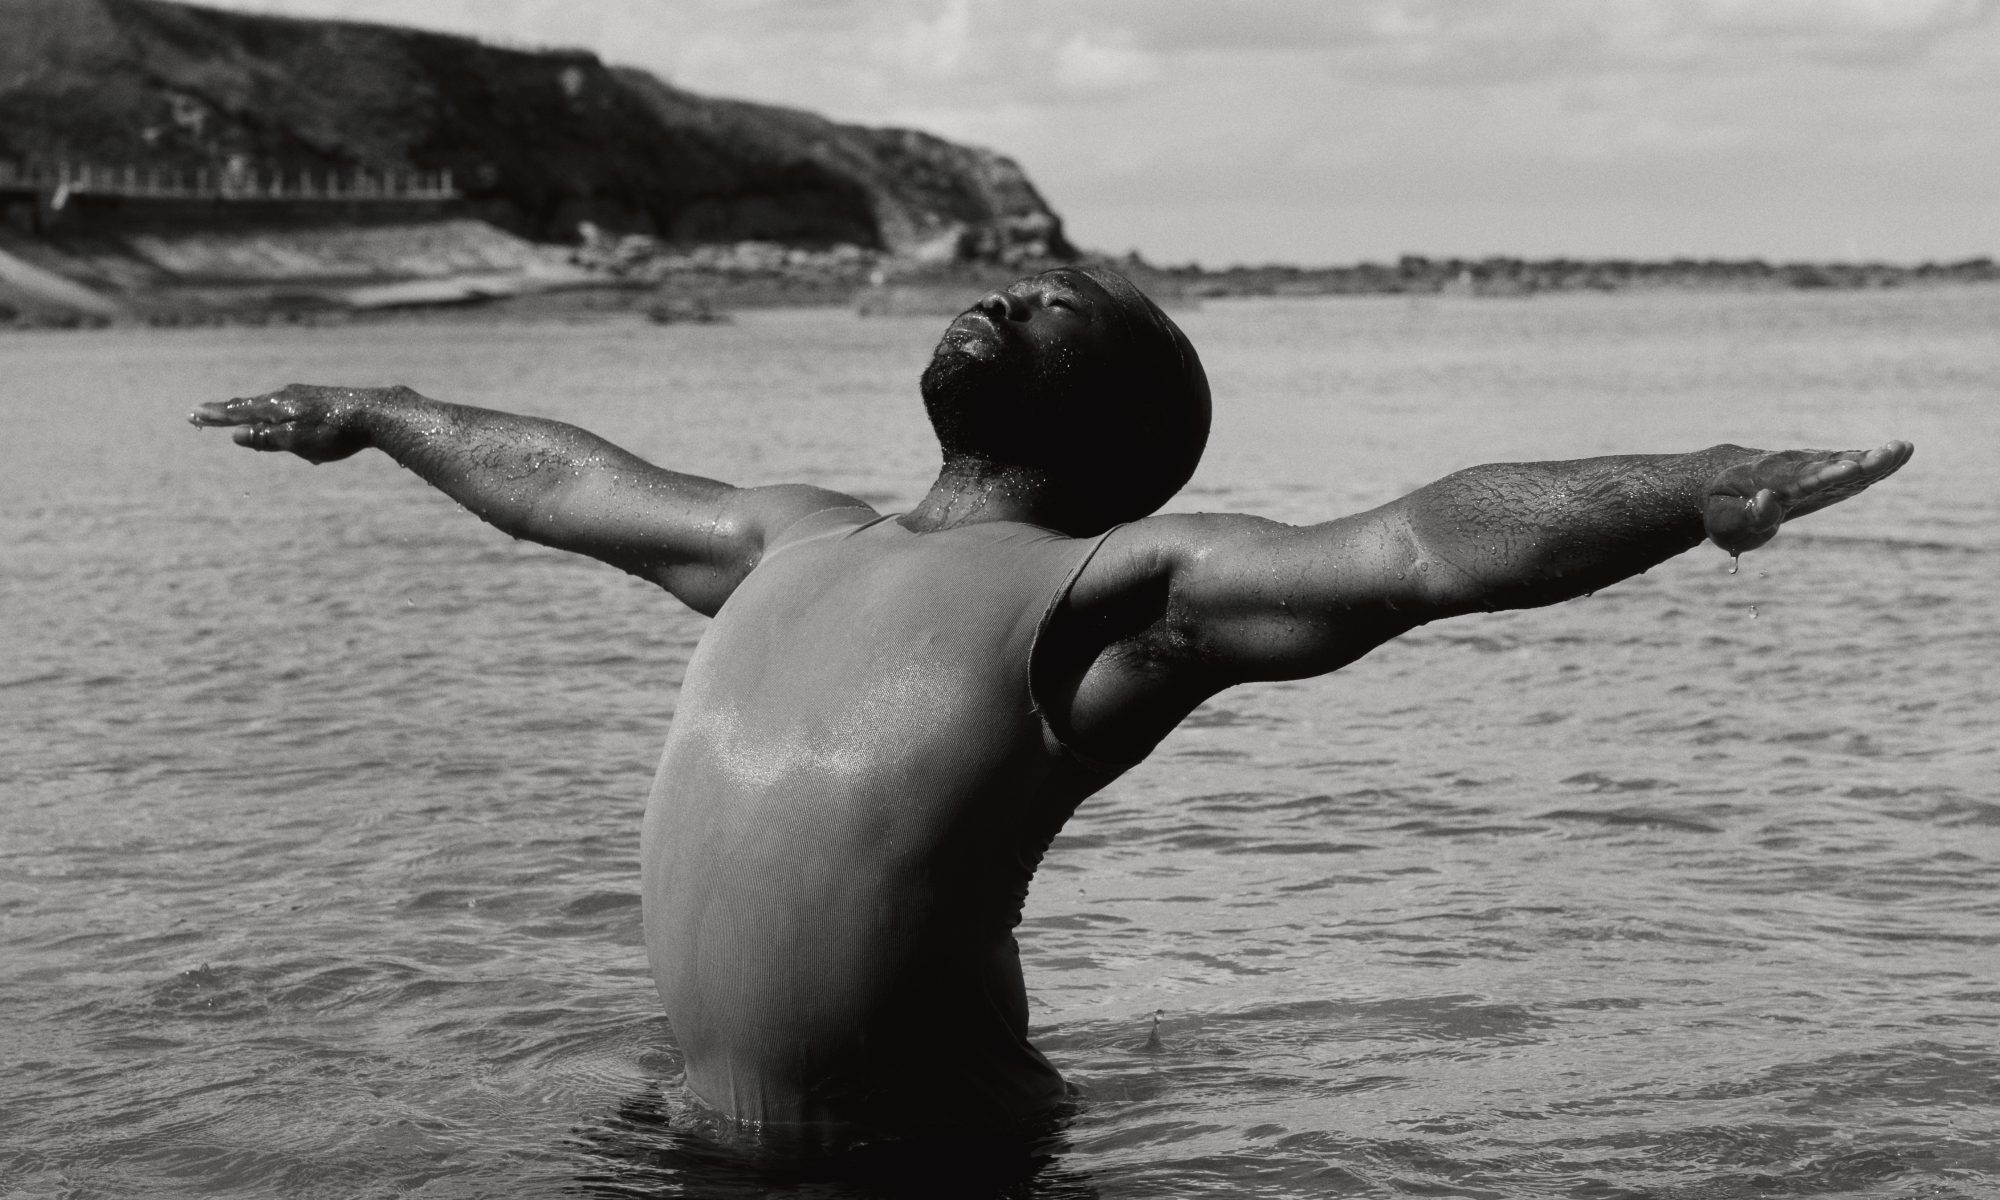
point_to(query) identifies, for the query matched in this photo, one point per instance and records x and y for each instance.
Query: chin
(969, 372)
(971, 400)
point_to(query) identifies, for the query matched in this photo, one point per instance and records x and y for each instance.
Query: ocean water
(319, 801)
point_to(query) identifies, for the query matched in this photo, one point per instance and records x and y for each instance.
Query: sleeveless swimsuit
(857, 789)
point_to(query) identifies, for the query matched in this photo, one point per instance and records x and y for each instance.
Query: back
(854, 796)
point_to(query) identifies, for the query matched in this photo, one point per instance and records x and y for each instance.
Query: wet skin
(1041, 315)
(1171, 609)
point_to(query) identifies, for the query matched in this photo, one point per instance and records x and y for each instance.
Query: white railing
(225, 183)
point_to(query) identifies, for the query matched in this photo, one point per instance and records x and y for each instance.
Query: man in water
(892, 716)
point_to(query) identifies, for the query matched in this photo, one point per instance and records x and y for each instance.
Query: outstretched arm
(541, 480)
(1184, 606)
(1522, 535)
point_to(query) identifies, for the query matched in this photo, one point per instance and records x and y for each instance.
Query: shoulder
(763, 518)
(728, 537)
(1173, 549)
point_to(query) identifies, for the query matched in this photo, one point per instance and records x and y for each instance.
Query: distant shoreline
(1507, 276)
(334, 275)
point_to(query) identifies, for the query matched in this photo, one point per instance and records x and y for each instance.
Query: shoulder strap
(827, 522)
(1050, 737)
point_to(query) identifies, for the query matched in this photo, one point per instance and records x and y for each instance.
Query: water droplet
(1753, 612)
(1733, 560)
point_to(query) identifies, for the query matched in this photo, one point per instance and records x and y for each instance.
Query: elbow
(1448, 580)
(546, 504)
(1441, 578)
(526, 526)
(537, 518)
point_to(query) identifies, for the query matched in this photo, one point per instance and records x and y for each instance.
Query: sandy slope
(29, 288)
(372, 254)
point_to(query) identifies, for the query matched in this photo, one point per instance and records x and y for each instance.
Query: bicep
(695, 537)
(1251, 599)
(1175, 609)
(743, 525)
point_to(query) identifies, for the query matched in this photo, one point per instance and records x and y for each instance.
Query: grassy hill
(539, 141)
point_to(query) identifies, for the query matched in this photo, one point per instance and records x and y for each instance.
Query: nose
(1003, 306)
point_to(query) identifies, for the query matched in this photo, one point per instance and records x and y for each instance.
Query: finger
(1737, 537)
(217, 412)
(1826, 474)
(1763, 511)
(1855, 471)
(1887, 458)
(264, 436)
(243, 411)
(1831, 482)
(1740, 523)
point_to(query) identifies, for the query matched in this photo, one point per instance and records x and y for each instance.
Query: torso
(855, 794)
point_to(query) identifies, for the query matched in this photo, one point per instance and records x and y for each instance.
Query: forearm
(1521, 535)
(536, 479)
(1251, 599)
(526, 476)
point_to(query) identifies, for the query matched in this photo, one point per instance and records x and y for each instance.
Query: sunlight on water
(319, 821)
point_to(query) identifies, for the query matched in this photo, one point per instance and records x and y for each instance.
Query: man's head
(1075, 374)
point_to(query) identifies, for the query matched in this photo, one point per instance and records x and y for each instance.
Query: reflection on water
(319, 802)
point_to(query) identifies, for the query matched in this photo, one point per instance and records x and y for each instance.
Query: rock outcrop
(537, 142)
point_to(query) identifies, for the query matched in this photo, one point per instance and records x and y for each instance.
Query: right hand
(1746, 503)
(319, 424)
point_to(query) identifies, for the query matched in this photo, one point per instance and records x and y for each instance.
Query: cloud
(1094, 64)
(1479, 42)
(1476, 111)
(940, 46)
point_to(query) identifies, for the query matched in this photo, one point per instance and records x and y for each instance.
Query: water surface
(319, 800)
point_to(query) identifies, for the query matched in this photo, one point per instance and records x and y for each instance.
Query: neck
(968, 492)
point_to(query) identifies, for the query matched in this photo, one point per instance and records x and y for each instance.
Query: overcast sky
(1322, 131)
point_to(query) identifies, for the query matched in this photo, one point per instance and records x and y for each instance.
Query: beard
(984, 408)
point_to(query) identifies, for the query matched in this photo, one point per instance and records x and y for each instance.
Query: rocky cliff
(537, 142)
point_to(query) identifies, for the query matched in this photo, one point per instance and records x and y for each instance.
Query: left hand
(319, 424)
(1745, 504)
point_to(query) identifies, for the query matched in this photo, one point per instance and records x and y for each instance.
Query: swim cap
(1162, 402)
(1120, 414)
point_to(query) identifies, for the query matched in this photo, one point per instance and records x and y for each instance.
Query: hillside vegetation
(540, 142)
